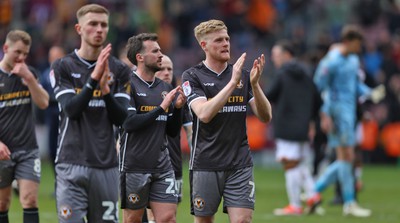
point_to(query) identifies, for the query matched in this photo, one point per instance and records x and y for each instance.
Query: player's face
(354, 46)
(15, 53)
(217, 45)
(93, 28)
(152, 55)
(277, 56)
(165, 73)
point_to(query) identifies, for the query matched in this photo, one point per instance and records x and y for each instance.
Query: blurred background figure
(293, 123)
(52, 112)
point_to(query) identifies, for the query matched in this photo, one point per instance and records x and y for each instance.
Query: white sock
(307, 181)
(293, 186)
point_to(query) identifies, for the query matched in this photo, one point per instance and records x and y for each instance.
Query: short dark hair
(351, 32)
(286, 46)
(135, 45)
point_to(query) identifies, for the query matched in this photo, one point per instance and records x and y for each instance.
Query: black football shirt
(17, 130)
(222, 143)
(145, 150)
(88, 140)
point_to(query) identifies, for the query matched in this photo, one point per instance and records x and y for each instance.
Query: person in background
(337, 78)
(293, 123)
(52, 112)
(174, 143)
(19, 152)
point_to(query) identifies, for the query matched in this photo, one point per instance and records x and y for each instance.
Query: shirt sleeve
(192, 87)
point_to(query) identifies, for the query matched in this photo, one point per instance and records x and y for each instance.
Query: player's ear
(139, 57)
(78, 28)
(203, 44)
(5, 48)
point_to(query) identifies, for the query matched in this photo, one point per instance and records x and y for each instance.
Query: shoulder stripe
(67, 91)
(122, 95)
(201, 97)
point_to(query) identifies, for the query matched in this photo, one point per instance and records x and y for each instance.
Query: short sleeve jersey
(222, 143)
(88, 140)
(144, 150)
(16, 115)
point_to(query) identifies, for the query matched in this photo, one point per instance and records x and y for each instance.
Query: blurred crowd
(254, 26)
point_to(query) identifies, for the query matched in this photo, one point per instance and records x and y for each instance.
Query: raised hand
(101, 63)
(256, 71)
(170, 97)
(21, 69)
(106, 80)
(237, 69)
(181, 100)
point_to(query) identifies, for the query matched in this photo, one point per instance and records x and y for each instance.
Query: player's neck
(89, 53)
(4, 66)
(215, 65)
(145, 74)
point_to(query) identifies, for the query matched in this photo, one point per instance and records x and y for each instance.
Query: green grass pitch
(381, 194)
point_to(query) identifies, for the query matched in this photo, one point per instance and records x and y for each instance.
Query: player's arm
(260, 104)
(205, 109)
(174, 123)
(38, 94)
(322, 74)
(5, 153)
(74, 104)
(116, 108)
(135, 121)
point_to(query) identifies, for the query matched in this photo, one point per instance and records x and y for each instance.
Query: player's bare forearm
(39, 95)
(260, 105)
(206, 110)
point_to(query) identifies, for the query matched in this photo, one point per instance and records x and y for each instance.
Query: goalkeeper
(337, 79)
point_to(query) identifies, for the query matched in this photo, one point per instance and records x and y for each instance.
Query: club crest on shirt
(133, 198)
(240, 84)
(164, 94)
(187, 90)
(199, 203)
(52, 78)
(65, 211)
(110, 78)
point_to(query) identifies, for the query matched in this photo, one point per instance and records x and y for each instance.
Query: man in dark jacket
(295, 102)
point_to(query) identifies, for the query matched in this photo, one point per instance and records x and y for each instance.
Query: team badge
(65, 211)
(133, 198)
(199, 203)
(240, 84)
(164, 94)
(110, 78)
(187, 90)
(52, 78)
